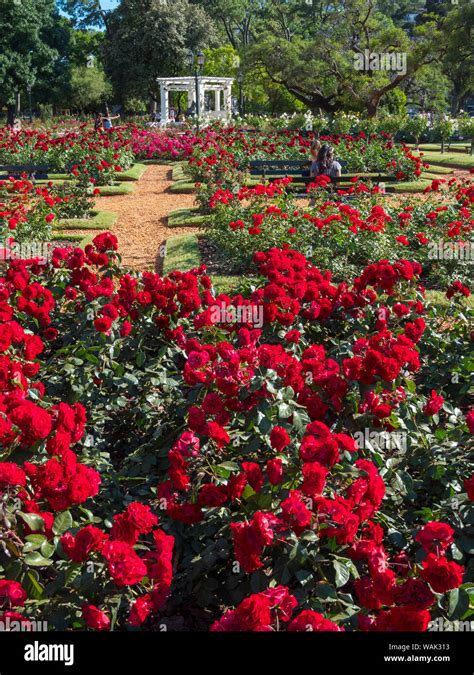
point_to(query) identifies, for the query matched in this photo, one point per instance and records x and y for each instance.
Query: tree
(86, 13)
(27, 56)
(458, 64)
(148, 39)
(320, 52)
(89, 88)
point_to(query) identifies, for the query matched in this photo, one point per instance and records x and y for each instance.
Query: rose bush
(162, 464)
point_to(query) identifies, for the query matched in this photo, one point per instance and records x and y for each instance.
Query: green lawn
(101, 220)
(458, 146)
(185, 218)
(453, 159)
(182, 253)
(182, 187)
(117, 189)
(135, 172)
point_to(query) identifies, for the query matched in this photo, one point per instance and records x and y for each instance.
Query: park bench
(33, 171)
(466, 144)
(269, 169)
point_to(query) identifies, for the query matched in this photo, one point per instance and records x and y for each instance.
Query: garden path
(142, 227)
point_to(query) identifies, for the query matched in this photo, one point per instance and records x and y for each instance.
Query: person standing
(107, 119)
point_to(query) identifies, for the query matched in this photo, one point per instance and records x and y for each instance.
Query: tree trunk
(11, 114)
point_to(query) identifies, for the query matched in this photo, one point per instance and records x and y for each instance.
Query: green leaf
(343, 573)
(33, 521)
(62, 522)
(35, 559)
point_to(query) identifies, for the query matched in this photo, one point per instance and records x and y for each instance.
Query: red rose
(95, 618)
(218, 434)
(441, 574)
(434, 404)
(279, 438)
(12, 594)
(11, 474)
(435, 537)
(415, 594)
(310, 621)
(275, 471)
(88, 539)
(125, 567)
(469, 485)
(402, 619)
(470, 420)
(136, 520)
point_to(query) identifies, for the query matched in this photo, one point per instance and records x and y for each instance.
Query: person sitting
(98, 123)
(326, 164)
(314, 150)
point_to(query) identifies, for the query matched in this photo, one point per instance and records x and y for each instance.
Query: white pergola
(219, 85)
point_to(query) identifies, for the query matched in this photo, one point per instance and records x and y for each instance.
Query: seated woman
(325, 164)
(314, 151)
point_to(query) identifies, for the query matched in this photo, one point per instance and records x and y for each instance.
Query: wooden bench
(299, 170)
(33, 171)
(466, 145)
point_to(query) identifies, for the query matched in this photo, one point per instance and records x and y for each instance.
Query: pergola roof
(209, 83)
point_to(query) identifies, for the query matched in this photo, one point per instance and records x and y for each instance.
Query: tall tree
(28, 31)
(150, 38)
(327, 64)
(86, 13)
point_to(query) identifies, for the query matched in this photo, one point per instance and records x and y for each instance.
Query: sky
(109, 4)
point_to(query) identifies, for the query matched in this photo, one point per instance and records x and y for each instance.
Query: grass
(455, 160)
(182, 187)
(458, 146)
(182, 253)
(443, 170)
(159, 161)
(409, 186)
(114, 190)
(135, 172)
(101, 220)
(178, 172)
(67, 236)
(185, 218)
(439, 299)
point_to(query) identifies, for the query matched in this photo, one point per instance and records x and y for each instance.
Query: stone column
(228, 100)
(191, 96)
(201, 97)
(217, 101)
(164, 105)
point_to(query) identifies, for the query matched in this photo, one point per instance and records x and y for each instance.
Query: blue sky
(109, 4)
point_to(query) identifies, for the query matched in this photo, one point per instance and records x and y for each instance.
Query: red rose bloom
(279, 438)
(435, 537)
(95, 618)
(125, 567)
(469, 485)
(12, 594)
(441, 574)
(434, 404)
(312, 621)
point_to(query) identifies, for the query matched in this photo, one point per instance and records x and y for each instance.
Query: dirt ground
(141, 228)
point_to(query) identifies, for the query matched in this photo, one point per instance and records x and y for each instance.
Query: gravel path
(142, 228)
